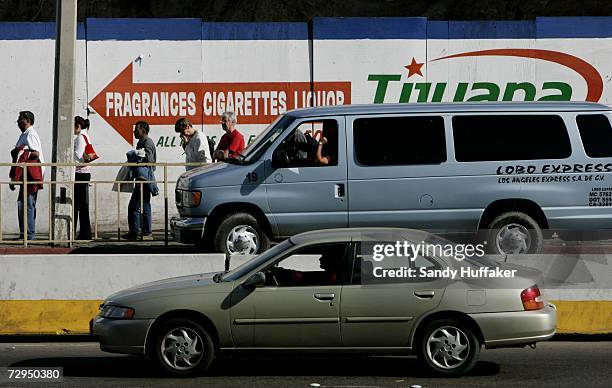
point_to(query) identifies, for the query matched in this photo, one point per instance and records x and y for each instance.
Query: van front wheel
(514, 233)
(240, 234)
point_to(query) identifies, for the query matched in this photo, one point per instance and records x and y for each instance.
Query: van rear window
(596, 134)
(389, 141)
(481, 138)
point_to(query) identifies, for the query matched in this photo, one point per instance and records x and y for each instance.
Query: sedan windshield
(250, 265)
(263, 141)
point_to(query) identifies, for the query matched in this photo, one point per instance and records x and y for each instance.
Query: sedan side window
(318, 265)
(391, 269)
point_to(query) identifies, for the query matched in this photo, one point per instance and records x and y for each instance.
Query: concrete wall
(59, 294)
(161, 69)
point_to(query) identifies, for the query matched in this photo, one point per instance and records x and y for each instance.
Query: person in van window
(327, 147)
(82, 174)
(232, 142)
(193, 142)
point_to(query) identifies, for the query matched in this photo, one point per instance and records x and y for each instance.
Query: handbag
(89, 151)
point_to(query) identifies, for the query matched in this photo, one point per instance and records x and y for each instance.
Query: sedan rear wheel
(448, 347)
(183, 347)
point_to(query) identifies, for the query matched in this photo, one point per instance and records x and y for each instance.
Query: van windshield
(263, 141)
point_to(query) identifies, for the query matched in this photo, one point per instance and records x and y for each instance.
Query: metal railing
(48, 185)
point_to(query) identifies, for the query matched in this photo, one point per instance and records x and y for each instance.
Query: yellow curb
(19, 317)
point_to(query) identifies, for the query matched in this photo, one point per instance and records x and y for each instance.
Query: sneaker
(130, 236)
(147, 237)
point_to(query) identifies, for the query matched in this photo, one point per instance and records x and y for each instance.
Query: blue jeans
(134, 215)
(31, 214)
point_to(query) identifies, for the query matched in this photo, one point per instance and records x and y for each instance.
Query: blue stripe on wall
(574, 27)
(437, 29)
(144, 29)
(369, 28)
(34, 31)
(323, 28)
(491, 29)
(254, 31)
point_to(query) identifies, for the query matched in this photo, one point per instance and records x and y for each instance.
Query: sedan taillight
(532, 298)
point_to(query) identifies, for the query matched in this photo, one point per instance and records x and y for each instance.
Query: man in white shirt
(193, 142)
(29, 140)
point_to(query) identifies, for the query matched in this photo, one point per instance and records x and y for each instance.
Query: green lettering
(439, 92)
(513, 87)
(406, 92)
(460, 92)
(251, 138)
(423, 89)
(383, 82)
(565, 89)
(173, 140)
(160, 142)
(492, 88)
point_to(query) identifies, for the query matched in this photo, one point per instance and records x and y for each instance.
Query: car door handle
(329, 296)
(339, 190)
(424, 294)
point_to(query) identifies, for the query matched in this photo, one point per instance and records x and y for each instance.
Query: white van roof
(488, 107)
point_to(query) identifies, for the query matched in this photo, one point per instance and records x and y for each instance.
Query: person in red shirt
(232, 142)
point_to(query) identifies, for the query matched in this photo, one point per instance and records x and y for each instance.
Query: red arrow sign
(122, 102)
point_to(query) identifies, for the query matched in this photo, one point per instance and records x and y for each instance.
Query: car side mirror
(280, 159)
(257, 280)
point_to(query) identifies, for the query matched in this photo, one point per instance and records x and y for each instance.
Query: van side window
(596, 134)
(480, 138)
(388, 141)
(313, 143)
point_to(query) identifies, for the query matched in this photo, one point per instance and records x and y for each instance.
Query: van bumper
(187, 230)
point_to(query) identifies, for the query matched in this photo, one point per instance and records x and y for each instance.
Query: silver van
(505, 170)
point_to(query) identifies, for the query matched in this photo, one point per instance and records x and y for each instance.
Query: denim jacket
(142, 173)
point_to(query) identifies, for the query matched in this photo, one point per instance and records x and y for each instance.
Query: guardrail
(164, 190)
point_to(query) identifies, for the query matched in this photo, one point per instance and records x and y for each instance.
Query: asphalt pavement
(553, 363)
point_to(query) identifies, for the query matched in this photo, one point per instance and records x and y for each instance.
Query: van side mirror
(257, 280)
(280, 159)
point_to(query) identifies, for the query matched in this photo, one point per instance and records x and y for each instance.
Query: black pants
(81, 205)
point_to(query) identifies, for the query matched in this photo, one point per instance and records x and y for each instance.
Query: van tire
(448, 336)
(514, 232)
(248, 231)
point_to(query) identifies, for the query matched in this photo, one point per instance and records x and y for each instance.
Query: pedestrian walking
(140, 223)
(193, 142)
(28, 149)
(82, 174)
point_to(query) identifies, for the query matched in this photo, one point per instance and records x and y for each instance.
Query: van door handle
(339, 190)
(424, 294)
(329, 296)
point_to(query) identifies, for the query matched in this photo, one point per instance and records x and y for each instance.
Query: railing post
(24, 204)
(119, 213)
(165, 205)
(96, 210)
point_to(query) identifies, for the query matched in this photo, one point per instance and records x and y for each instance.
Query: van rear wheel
(240, 234)
(514, 233)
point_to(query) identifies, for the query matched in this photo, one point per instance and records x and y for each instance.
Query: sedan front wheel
(183, 348)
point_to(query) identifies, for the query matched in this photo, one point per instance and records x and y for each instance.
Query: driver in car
(330, 262)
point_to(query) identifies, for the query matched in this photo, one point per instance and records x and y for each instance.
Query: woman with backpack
(83, 153)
